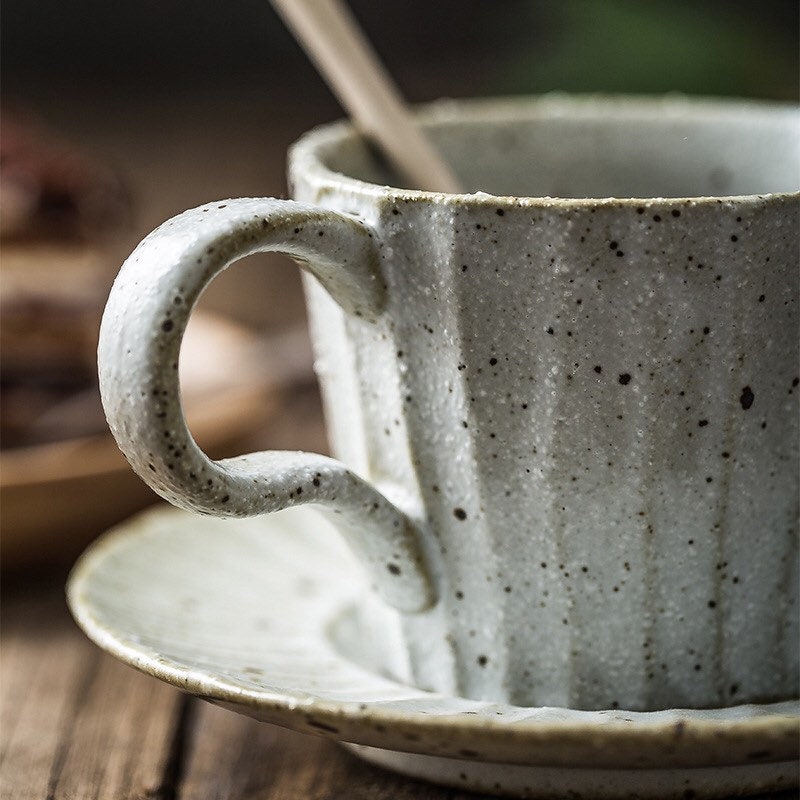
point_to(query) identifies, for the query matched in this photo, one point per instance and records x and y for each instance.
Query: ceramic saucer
(266, 617)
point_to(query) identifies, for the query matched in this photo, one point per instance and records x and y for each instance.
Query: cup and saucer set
(557, 553)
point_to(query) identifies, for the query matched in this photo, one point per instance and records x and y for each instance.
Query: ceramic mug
(566, 411)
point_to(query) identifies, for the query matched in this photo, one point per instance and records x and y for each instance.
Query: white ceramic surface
(266, 617)
(581, 415)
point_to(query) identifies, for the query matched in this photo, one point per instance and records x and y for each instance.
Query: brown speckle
(322, 726)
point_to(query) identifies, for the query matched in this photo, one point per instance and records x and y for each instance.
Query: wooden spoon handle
(329, 34)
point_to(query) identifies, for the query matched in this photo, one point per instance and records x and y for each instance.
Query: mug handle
(140, 338)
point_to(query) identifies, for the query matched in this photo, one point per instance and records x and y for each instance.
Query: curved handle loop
(140, 339)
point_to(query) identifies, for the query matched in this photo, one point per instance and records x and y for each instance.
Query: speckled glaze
(313, 658)
(140, 337)
(584, 411)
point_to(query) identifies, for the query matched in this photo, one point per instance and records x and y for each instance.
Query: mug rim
(307, 156)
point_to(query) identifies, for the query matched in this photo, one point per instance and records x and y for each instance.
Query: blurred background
(117, 116)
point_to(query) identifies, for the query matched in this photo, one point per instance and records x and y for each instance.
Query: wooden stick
(344, 57)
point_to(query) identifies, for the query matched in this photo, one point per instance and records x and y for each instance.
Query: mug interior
(592, 147)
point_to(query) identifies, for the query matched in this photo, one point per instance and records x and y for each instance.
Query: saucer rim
(776, 725)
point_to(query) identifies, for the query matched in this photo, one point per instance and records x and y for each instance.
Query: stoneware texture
(579, 415)
(267, 618)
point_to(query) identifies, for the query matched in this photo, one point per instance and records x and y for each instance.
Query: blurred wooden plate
(54, 498)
